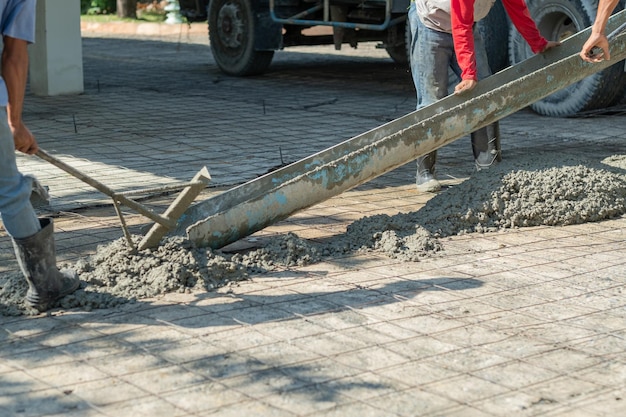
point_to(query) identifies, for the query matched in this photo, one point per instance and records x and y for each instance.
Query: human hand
(24, 140)
(550, 45)
(596, 49)
(465, 86)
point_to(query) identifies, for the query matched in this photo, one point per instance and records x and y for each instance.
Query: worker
(432, 55)
(32, 237)
(433, 52)
(597, 38)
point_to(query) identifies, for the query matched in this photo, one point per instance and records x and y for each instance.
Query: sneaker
(426, 182)
(486, 160)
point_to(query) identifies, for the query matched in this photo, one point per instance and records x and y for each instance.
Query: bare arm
(15, 75)
(598, 37)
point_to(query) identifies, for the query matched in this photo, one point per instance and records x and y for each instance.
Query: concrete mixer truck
(244, 35)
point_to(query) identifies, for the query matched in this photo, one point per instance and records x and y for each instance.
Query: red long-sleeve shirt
(462, 13)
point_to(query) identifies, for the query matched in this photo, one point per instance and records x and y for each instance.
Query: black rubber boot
(486, 146)
(425, 178)
(36, 256)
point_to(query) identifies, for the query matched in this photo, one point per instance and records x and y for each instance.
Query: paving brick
(525, 322)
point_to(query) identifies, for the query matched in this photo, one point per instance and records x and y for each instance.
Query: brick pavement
(530, 322)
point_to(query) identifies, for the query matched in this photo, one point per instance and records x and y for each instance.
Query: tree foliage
(132, 9)
(97, 6)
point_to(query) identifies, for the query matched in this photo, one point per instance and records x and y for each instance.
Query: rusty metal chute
(252, 206)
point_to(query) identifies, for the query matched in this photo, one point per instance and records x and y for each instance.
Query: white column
(56, 58)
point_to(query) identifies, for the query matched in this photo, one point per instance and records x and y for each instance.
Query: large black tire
(231, 36)
(494, 29)
(557, 20)
(401, 51)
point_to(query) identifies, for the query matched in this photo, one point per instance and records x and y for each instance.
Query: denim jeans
(433, 62)
(435, 72)
(18, 215)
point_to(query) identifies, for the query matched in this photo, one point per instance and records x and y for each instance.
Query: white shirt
(435, 14)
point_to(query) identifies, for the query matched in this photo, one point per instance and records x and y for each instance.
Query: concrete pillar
(56, 58)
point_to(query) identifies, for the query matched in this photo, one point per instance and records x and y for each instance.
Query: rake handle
(106, 190)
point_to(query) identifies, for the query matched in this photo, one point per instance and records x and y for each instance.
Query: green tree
(97, 6)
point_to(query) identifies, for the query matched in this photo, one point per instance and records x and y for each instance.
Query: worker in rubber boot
(432, 57)
(32, 237)
(597, 38)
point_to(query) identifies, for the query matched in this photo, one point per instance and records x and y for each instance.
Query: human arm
(520, 16)
(597, 38)
(15, 75)
(464, 86)
(462, 18)
(525, 25)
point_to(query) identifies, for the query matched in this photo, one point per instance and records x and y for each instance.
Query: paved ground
(531, 322)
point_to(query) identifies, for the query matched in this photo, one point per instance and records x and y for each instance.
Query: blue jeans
(432, 58)
(436, 71)
(18, 215)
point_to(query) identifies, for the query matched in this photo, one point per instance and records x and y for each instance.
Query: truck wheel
(401, 53)
(494, 29)
(231, 36)
(557, 20)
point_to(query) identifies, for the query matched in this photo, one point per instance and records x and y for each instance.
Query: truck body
(244, 35)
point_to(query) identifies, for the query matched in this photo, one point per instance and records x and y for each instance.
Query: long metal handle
(167, 222)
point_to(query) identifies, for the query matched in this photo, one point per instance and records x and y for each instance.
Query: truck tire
(401, 53)
(494, 29)
(231, 36)
(556, 20)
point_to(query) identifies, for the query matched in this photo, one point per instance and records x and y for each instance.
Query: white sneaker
(426, 182)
